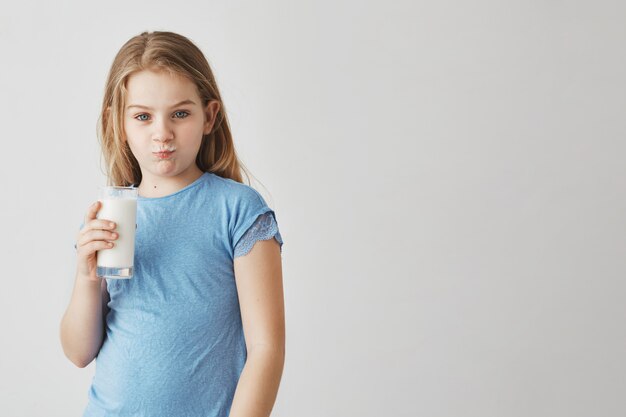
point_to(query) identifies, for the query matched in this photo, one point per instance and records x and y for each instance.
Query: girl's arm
(258, 275)
(82, 326)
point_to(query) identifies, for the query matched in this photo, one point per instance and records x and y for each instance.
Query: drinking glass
(119, 205)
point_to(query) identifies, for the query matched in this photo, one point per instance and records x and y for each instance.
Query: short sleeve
(263, 228)
(251, 220)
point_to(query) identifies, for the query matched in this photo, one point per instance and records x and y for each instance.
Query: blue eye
(183, 112)
(143, 120)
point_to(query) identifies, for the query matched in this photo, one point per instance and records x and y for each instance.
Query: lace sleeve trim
(263, 228)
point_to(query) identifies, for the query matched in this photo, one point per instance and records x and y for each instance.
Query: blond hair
(177, 55)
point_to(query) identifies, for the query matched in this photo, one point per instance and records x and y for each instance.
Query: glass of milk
(119, 205)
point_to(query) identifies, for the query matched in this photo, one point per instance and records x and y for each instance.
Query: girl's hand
(95, 235)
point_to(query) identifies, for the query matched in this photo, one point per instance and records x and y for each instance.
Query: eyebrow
(149, 108)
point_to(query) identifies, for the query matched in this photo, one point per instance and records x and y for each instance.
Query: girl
(199, 329)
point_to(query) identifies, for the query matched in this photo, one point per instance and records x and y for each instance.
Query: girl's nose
(162, 131)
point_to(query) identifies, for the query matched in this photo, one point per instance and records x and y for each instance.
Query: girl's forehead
(151, 77)
(160, 86)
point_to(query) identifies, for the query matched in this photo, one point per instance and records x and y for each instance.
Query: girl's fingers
(93, 222)
(96, 235)
(101, 224)
(92, 212)
(96, 245)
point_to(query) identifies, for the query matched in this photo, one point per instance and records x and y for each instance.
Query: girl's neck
(155, 187)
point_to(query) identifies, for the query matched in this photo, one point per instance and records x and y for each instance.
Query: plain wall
(448, 178)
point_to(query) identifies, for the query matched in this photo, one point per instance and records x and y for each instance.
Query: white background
(448, 178)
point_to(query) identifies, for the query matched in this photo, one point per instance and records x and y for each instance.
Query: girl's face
(164, 113)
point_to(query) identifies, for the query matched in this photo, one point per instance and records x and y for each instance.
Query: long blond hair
(175, 54)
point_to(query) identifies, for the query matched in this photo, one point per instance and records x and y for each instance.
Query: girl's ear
(210, 114)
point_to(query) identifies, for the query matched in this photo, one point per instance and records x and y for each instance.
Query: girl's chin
(166, 167)
(163, 168)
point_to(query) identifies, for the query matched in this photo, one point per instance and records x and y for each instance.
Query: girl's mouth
(163, 155)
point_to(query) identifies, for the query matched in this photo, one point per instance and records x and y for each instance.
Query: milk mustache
(119, 205)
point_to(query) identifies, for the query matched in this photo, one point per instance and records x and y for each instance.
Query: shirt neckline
(191, 185)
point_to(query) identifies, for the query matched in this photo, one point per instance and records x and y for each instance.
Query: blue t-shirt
(174, 343)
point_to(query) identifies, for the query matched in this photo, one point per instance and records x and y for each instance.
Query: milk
(117, 262)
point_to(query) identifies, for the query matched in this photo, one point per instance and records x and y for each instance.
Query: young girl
(199, 329)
